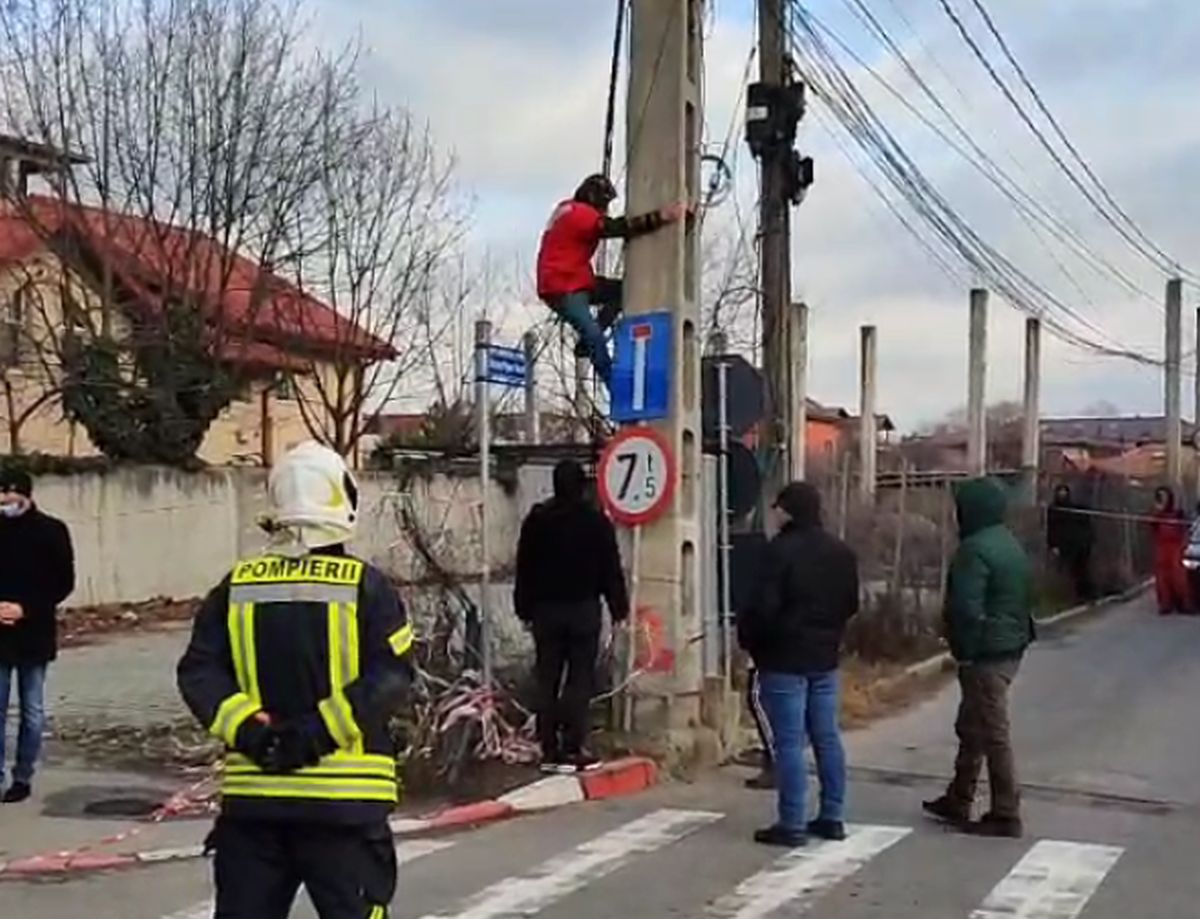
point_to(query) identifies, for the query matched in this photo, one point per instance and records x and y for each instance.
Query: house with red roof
(73, 270)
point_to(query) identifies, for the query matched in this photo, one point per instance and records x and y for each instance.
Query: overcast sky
(516, 88)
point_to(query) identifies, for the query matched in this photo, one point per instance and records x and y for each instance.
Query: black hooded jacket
(1067, 531)
(567, 555)
(808, 592)
(37, 571)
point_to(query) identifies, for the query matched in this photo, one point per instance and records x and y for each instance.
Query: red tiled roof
(152, 257)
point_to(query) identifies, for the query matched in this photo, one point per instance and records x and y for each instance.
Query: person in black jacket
(297, 659)
(567, 559)
(793, 631)
(37, 573)
(1069, 537)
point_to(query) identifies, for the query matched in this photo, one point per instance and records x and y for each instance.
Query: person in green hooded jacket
(989, 624)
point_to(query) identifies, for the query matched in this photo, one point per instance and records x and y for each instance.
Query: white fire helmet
(313, 494)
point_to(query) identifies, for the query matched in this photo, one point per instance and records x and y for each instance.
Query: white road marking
(800, 878)
(408, 851)
(564, 874)
(1054, 880)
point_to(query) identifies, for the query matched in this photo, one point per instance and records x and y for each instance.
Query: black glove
(257, 741)
(294, 749)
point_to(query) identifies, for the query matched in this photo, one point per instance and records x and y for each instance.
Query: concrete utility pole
(868, 437)
(533, 420)
(1174, 388)
(798, 387)
(775, 275)
(977, 386)
(662, 271)
(1031, 440)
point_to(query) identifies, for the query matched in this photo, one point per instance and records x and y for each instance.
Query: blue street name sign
(641, 380)
(505, 366)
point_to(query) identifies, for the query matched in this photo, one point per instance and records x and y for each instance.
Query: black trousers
(348, 871)
(566, 638)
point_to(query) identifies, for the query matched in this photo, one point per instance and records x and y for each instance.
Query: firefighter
(565, 280)
(296, 660)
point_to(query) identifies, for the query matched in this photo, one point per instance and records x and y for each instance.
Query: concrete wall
(148, 532)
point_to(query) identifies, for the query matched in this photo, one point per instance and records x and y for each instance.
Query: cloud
(517, 89)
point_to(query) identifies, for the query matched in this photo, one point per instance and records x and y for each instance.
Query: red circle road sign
(636, 476)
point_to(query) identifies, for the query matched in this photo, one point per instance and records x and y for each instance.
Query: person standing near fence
(1070, 538)
(808, 593)
(36, 575)
(989, 624)
(1170, 529)
(567, 561)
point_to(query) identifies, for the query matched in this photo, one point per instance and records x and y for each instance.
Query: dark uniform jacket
(320, 641)
(37, 570)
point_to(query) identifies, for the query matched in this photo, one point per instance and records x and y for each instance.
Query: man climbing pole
(565, 278)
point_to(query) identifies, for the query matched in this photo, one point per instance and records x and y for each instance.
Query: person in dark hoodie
(1069, 537)
(989, 624)
(565, 280)
(793, 631)
(37, 574)
(567, 560)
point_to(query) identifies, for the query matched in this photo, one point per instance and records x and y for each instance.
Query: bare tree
(182, 142)
(383, 227)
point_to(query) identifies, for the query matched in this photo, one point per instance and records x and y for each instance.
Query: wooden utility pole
(665, 121)
(1031, 422)
(868, 436)
(798, 387)
(1174, 385)
(775, 273)
(977, 386)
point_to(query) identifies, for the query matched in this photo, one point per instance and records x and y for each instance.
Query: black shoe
(584, 762)
(944, 808)
(582, 350)
(997, 827)
(781, 836)
(764, 781)
(833, 830)
(17, 792)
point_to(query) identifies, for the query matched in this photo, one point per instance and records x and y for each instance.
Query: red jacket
(569, 243)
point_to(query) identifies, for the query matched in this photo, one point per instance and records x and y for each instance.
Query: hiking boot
(781, 836)
(832, 830)
(764, 781)
(997, 827)
(17, 792)
(947, 810)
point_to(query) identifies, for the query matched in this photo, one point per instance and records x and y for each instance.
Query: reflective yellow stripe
(230, 716)
(336, 711)
(401, 639)
(379, 912)
(293, 786)
(339, 760)
(234, 624)
(245, 655)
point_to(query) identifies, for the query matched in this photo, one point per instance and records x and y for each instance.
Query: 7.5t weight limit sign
(636, 476)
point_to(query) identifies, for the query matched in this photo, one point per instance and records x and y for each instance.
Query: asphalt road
(1108, 736)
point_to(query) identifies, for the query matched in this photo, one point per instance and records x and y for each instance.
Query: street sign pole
(483, 342)
(723, 519)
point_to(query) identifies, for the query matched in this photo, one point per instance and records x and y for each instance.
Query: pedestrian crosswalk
(1044, 879)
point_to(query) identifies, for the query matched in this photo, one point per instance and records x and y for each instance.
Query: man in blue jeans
(793, 631)
(37, 572)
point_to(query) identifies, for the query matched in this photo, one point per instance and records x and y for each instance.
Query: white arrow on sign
(641, 341)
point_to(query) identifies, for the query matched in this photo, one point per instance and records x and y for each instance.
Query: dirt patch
(873, 691)
(86, 624)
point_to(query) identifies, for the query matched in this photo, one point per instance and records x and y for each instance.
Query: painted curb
(616, 779)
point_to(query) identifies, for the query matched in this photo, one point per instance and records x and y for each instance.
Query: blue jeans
(31, 685)
(576, 311)
(798, 706)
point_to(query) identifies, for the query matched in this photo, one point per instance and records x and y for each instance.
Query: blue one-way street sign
(641, 380)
